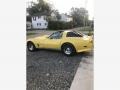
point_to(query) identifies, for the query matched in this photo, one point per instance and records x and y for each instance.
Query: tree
(28, 18)
(57, 14)
(40, 7)
(80, 16)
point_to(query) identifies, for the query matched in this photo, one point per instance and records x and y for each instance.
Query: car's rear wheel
(68, 50)
(31, 47)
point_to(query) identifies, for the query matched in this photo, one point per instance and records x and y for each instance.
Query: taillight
(91, 39)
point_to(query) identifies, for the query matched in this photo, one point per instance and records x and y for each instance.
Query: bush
(59, 25)
(90, 33)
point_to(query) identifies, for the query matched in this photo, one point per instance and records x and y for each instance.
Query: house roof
(40, 14)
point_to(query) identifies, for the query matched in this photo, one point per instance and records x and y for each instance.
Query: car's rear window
(73, 34)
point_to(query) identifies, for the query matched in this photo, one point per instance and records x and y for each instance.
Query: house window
(39, 17)
(34, 18)
(45, 24)
(44, 18)
(38, 24)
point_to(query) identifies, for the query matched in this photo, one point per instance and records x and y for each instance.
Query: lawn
(28, 34)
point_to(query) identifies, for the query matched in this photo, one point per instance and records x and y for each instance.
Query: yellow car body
(80, 43)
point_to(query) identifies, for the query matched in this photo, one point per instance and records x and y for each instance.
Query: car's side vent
(38, 45)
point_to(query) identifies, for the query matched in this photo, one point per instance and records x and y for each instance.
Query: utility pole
(86, 1)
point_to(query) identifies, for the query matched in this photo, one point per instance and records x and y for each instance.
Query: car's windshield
(56, 35)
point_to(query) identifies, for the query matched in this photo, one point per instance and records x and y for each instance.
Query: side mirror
(49, 37)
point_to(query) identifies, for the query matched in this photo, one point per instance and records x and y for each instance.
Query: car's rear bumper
(83, 50)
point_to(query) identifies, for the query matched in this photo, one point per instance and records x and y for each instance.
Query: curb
(83, 79)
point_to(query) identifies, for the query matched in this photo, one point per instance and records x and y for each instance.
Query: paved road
(51, 70)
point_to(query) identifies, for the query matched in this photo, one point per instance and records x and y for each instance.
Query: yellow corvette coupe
(69, 42)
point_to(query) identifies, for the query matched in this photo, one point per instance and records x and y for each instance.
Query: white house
(39, 22)
(53, 17)
(28, 25)
(66, 18)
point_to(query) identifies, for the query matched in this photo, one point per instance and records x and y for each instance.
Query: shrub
(90, 33)
(59, 25)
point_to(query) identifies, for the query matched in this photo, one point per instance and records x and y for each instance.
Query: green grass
(86, 29)
(28, 34)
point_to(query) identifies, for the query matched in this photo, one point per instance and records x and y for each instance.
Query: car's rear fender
(68, 43)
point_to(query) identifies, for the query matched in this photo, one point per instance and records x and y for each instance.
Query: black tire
(31, 47)
(68, 49)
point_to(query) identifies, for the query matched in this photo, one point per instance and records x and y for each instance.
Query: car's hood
(41, 37)
(38, 38)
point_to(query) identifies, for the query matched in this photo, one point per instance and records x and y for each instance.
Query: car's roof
(65, 31)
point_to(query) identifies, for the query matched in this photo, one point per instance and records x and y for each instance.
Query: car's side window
(72, 34)
(56, 35)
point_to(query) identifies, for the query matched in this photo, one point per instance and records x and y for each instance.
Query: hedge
(59, 25)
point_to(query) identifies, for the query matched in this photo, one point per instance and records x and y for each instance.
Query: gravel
(51, 70)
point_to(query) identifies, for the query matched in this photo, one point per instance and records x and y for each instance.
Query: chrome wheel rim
(31, 47)
(67, 51)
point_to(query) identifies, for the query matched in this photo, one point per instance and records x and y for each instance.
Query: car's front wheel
(68, 50)
(31, 47)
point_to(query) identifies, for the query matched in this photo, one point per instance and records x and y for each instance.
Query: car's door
(53, 41)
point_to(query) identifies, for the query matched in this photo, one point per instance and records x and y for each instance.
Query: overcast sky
(64, 6)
